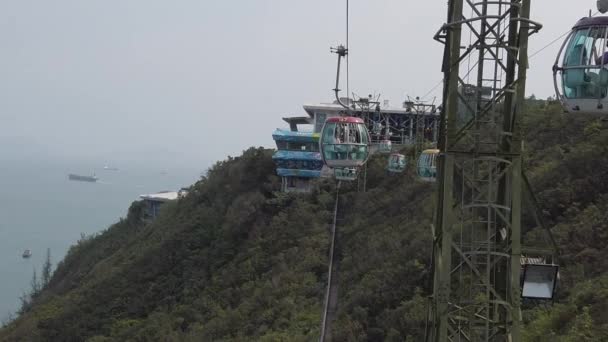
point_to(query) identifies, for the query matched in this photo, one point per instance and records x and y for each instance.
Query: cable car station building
(299, 161)
(154, 202)
(399, 125)
(297, 158)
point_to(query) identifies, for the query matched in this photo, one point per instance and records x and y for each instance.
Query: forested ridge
(237, 261)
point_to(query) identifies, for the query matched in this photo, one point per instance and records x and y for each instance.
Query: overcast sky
(192, 81)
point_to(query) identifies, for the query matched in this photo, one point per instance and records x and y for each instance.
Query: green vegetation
(237, 261)
(36, 286)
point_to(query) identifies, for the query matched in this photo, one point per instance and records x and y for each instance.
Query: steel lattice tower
(477, 233)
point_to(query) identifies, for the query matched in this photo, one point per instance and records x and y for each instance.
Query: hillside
(237, 261)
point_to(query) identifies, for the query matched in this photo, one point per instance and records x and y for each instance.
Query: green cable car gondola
(427, 165)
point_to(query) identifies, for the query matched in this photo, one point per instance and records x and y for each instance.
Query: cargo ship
(81, 178)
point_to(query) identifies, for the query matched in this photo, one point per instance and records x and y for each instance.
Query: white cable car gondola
(580, 72)
(396, 163)
(427, 165)
(344, 142)
(345, 174)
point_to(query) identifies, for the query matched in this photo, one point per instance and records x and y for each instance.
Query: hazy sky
(192, 81)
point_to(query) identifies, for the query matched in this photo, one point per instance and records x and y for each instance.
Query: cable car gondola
(427, 165)
(396, 163)
(345, 174)
(344, 142)
(580, 72)
(385, 146)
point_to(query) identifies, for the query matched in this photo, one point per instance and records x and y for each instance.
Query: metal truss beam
(477, 233)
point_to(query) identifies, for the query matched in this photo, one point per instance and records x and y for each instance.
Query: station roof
(163, 196)
(297, 120)
(333, 108)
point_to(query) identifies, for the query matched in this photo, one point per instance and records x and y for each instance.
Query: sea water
(40, 208)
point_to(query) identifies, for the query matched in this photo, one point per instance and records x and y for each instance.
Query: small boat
(27, 253)
(110, 168)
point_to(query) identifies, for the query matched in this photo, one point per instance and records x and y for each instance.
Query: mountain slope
(230, 259)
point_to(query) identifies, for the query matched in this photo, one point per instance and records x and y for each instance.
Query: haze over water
(40, 209)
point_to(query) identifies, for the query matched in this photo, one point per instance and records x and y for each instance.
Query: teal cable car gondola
(397, 163)
(344, 142)
(385, 146)
(427, 165)
(580, 72)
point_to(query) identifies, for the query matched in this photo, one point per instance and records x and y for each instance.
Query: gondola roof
(591, 21)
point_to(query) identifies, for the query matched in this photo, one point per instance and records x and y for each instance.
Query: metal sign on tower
(477, 233)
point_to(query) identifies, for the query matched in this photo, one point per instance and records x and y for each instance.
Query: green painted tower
(477, 233)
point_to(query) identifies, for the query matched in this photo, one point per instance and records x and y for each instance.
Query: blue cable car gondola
(397, 163)
(580, 72)
(427, 165)
(344, 142)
